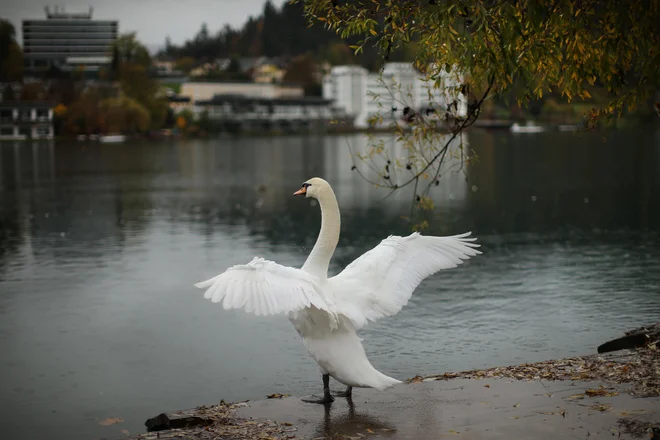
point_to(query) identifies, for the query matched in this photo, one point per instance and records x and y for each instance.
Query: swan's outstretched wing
(380, 282)
(264, 287)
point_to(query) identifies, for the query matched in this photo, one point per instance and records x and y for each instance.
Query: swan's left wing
(380, 282)
(264, 287)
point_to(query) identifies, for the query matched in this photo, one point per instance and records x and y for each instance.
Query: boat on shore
(529, 127)
(112, 138)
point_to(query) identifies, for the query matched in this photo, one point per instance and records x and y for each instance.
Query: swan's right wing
(380, 282)
(264, 287)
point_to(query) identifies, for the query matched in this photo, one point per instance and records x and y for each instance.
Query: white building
(206, 90)
(345, 85)
(363, 95)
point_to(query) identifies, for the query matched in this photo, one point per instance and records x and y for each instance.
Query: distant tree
(123, 115)
(62, 90)
(8, 94)
(184, 64)
(137, 84)
(34, 91)
(303, 71)
(11, 55)
(83, 116)
(170, 119)
(234, 65)
(128, 49)
(203, 34)
(169, 49)
(338, 54)
(115, 64)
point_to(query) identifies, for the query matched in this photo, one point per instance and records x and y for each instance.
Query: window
(6, 131)
(43, 131)
(24, 131)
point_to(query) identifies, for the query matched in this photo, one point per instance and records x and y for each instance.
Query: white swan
(326, 312)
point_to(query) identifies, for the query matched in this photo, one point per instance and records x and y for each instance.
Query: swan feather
(264, 287)
(380, 282)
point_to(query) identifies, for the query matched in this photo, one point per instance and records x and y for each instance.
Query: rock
(179, 419)
(633, 339)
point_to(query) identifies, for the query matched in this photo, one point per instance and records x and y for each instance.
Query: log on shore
(639, 337)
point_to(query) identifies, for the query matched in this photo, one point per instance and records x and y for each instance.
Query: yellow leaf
(373, 32)
(110, 421)
(586, 94)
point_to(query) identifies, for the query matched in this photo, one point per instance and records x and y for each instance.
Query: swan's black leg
(327, 397)
(348, 393)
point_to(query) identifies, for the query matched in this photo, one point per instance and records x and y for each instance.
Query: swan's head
(314, 187)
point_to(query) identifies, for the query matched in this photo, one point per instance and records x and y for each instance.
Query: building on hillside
(363, 95)
(68, 42)
(206, 90)
(268, 73)
(21, 120)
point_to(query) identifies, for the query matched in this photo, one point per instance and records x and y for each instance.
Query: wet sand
(475, 409)
(613, 395)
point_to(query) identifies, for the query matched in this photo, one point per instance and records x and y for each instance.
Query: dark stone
(175, 420)
(633, 339)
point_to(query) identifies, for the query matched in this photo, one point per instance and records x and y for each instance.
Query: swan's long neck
(319, 259)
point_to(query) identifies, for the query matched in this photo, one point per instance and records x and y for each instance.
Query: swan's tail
(340, 353)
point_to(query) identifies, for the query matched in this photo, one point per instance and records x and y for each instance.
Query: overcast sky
(153, 20)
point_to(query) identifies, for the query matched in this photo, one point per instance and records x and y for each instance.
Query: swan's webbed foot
(326, 400)
(327, 397)
(348, 393)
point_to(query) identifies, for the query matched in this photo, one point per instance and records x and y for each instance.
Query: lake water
(100, 246)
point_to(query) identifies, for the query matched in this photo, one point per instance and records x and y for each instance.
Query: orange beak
(300, 192)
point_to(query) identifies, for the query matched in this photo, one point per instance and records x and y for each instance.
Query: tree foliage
(136, 82)
(123, 115)
(127, 49)
(11, 55)
(570, 48)
(303, 70)
(97, 112)
(567, 46)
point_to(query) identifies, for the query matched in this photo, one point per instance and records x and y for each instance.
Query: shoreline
(622, 386)
(497, 125)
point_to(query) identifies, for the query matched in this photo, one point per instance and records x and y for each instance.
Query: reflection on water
(100, 246)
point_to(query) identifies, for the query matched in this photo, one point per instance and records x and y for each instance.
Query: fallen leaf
(416, 379)
(600, 392)
(451, 431)
(111, 421)
(601, 407)
(487, 386)
(369, 431)
(277, 396)
(516, 405)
